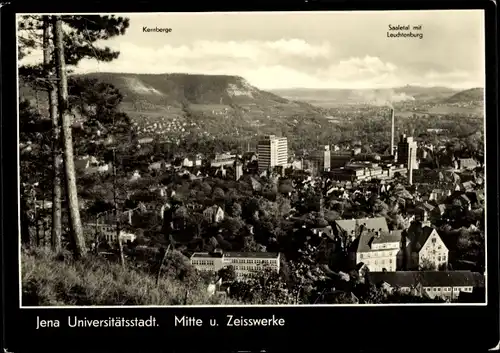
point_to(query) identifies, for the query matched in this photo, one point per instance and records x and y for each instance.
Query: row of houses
(448, 285)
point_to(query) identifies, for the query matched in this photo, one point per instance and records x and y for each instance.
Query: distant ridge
(177, 89)
(469, 95)
(367, 96)
(217, 103)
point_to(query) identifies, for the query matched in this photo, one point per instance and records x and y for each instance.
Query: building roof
(467, 162)
(437, 191)
(256, 255)
(465, 198)
(428, 278)
(428, 206)
(349, 225)
(202, 255)
(468, 185)
(392, 237)
(418, 235)
(233, 254)
(364, 242)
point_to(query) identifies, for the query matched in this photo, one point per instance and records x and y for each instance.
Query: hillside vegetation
(469, 95)
(178, 90)
(55, 280)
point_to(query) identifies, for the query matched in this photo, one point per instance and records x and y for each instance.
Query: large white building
(377, 250)
(273, 152)
(244, 263)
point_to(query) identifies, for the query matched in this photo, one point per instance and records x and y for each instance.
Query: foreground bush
(50, 279)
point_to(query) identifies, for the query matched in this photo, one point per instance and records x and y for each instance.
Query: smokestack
(392, 131)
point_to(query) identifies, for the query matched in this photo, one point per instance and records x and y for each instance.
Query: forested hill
(469, 95)
(177, 90)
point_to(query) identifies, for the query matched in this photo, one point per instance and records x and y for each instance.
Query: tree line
(64, 41)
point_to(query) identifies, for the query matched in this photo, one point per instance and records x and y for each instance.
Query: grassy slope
(48, 280)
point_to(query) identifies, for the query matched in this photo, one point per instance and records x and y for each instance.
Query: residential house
(186, 162)
(467, 186)
(245, 264)
(465, 202)
(439, 195)
(156, 166)
(423, 211)
(422, 247)
(223, 159)
(438, 212)
(432, 284)
(127, 236)
(217, 287)
(90, 164)
(466, 164)
(214, 214)
(297, 164)
(250, 156)
(107, 232)
(377, 250)
(476, 197)
(135, 176)
(350, 228)
(256, 185)
(323, 232)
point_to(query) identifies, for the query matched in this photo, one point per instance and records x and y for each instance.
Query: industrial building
(407, 152)
(362, 171)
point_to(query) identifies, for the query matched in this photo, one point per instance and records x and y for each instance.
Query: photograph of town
(305, 158)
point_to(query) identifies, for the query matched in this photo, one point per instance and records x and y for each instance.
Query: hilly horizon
(220, 106)
(164, 93)
(146, 92)
(337, 96)
(224, 105)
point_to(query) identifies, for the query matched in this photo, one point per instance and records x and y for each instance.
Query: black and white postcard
(219, 174)
(166, 160)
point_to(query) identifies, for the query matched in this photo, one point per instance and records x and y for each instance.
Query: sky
(305, 49)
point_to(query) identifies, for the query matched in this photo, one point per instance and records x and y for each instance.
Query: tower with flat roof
(273, 152)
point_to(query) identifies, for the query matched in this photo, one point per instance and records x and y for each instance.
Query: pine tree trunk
(67, 139)
(56, 142)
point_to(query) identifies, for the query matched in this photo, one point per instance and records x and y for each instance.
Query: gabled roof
(428, 278)
(349, 225)
(418, 235)
(442, 208)
(426, 206)
(465, 198)
(364, 242)
(392, 237)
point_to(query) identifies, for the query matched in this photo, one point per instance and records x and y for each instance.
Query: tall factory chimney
(392, 131)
